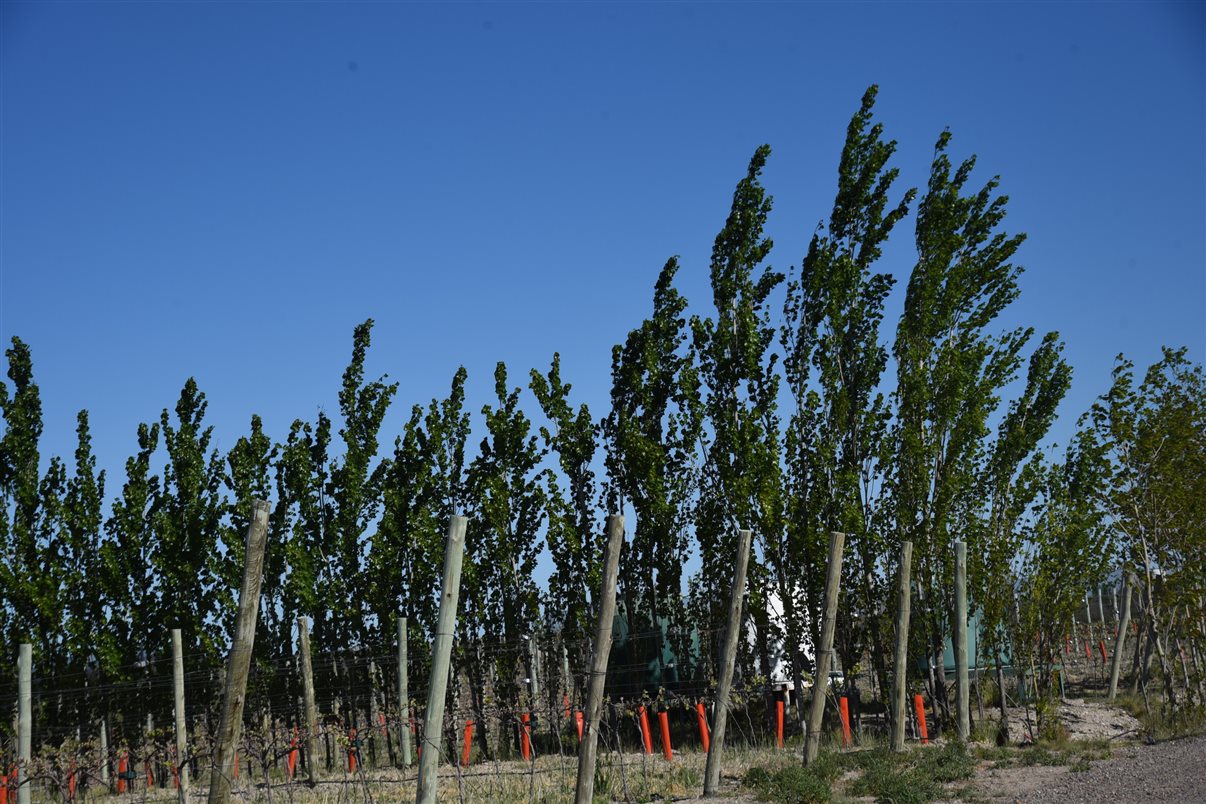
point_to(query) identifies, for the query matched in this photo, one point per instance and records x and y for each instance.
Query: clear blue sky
(224, 190)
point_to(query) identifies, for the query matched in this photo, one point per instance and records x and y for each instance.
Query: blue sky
(224, 190)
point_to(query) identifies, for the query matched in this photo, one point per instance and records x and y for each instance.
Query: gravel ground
(1174, 771)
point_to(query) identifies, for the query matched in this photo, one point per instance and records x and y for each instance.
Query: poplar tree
(20, 477)
(1154, 438)
(302, 472)
(355, 493)
(651, 442)
(832, 317)
(249, 476)
(950, 369)
(186, 521)
(83, 522)
(574, 534)
(742, 476)
(423, 489)
(508, 508)
(134, 623)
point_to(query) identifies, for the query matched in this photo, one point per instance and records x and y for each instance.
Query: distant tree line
(786, 408)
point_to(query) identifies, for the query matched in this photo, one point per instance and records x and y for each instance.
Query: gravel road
(1174, 771)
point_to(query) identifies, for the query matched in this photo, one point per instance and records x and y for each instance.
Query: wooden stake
(962, 697)
(311, 713)
(24, 720)
(104, 752)
(403, 693)
(728, 658)
(584, 789)
(1125, 621)
(181, 732)
(441, 660)
(900, 680)
(820, 683)
(239, 663)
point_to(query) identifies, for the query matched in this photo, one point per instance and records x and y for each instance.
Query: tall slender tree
(832, 317)
(742, 478)
(651, 441)
(573, 535)
(950, 369)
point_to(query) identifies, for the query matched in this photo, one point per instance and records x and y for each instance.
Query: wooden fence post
(403, 692)
(239, 663)
(181, 728)
(962, 697)
(24, 720)
(900, 680)
(104, 752)
(1123, 623)
(820, 683)
(311, 710)
(732, 637)
(584, 789)
(441, 659)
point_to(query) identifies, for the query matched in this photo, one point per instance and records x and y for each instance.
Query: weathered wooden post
(103, 729)
(1123, 623)
(732, 637)
(962, 697)
(24, 720)
(311, 710)
(239, 663)
(403, 692)
(181, 732)
(584, 790)
(900, 680)
(441, 659)
(820, 683)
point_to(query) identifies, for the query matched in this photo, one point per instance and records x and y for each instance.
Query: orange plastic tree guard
(3, 788)
(71, 786)
(567, 712)
(150, 776)
(779, 723)
(701, 716)
(351, 750)
(525, 737)
(663, 719)
(468, 743)
(1104, 658)
(293, 755)
(919, 708)
(646, 735)
(122, 767)
(1088, 652)
(844, 711)
(578, 718)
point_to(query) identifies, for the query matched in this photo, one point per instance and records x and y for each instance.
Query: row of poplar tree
(771, 412)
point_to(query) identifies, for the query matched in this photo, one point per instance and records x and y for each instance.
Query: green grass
(793, 785)
(912, 778)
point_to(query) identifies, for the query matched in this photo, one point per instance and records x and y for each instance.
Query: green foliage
(694, 447)
(914, 777)
(650, 439)
(832, 316)
(573, 536)
(793, 785)
(741, 481)
(186, 519)
(501, 603)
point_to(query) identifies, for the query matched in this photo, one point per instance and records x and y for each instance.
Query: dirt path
(1174, 771)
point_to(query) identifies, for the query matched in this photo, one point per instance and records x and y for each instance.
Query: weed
(792, 785)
